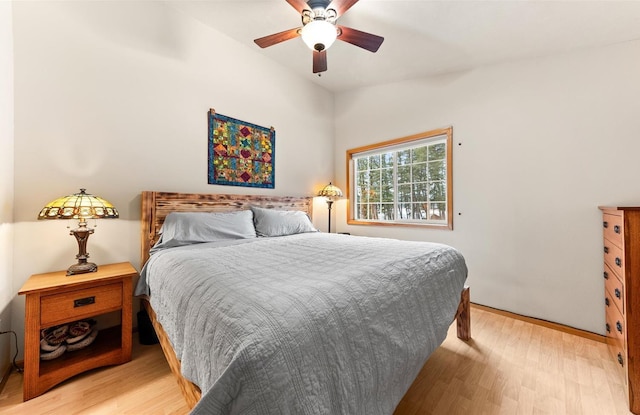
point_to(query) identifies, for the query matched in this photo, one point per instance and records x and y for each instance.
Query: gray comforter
(304, 324)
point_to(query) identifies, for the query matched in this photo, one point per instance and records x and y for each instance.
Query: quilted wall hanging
(240, 153)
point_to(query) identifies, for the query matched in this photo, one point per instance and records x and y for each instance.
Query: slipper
(56, 335)
(84, 342)
(72, 340)
(46, 347)
(54, 354)
(79, 328)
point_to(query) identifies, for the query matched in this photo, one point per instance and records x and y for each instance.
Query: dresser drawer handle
(606, 301)
(619, 326)
(605, 224)
(618, 262)
(620, 359)
(618, 293)
(607, 327)
(81, 302)
(606, 249)
(605, 275)
(616, 229)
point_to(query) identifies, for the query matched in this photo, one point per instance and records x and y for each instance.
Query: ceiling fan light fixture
(319, 34)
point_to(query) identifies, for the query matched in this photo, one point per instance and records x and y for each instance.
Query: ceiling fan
(319, 30)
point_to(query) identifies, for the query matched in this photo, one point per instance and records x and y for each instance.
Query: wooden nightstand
(53, 299)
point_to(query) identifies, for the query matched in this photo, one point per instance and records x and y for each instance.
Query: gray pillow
(185, 228)
(271, 222)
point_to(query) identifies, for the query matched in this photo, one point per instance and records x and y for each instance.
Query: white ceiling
(425, 37)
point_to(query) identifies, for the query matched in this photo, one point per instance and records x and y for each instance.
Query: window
(406, 181)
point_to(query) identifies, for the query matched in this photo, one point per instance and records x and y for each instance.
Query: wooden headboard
(157, 205)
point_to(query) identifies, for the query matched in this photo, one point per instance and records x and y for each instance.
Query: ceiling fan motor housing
(319, 13)
(318, 4)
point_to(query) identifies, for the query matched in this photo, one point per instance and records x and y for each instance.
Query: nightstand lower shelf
(104, 351)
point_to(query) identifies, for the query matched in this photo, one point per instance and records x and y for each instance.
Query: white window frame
(443, 135)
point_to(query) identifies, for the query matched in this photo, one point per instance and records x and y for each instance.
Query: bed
(293, 323)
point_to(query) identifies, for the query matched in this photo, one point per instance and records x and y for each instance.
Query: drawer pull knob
(607, 327)
(618, 293)
(620, 359)
(616, 229)
(605, 224)
(606, 301)
(606, 249)
(606, 275)
(619, 326)
(81, 302)
(618, 262)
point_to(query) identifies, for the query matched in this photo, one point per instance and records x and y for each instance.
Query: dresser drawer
(612, 228)
(71, 305)
(614, 258)
(614, 289)
(614, 323)
(616, 348)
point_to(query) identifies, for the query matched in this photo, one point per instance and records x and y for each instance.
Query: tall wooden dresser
(621, 230)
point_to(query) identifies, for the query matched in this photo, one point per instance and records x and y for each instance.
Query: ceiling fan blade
(299, 5)
(275, 38)
(361, 39)
(319, 61)
(341, 6)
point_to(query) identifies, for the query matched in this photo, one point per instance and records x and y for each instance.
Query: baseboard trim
(544, 323)
(5, 377)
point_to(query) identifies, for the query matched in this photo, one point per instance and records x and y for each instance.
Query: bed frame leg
(463, 316)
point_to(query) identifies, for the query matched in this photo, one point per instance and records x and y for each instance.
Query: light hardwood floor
(509, 367)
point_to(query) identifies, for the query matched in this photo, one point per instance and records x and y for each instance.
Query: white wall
(113, 96)
(6, 180)
(544, 142)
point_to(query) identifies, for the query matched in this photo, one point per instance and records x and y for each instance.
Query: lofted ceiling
(425, 38)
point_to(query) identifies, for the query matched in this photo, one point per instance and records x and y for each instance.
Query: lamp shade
(330, 191)
(319, 34)
(80, 206)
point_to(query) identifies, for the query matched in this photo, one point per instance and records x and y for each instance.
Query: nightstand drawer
(57, 308)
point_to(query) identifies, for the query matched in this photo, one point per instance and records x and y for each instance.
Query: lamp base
(329, 203)
(81, 268)
(81, 233)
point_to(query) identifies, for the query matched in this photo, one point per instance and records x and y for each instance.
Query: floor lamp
(330, 192)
